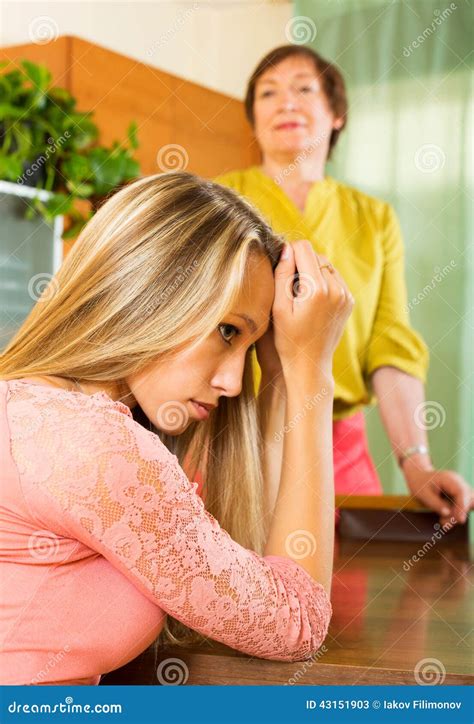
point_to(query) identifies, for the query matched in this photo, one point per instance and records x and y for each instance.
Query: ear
(338, 123)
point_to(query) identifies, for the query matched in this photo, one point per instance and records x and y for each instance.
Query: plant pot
(30, 254)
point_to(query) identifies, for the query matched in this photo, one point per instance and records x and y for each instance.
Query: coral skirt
(354, 471)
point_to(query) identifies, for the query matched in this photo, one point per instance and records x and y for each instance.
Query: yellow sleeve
(393, 342)
(257, 372)
(231, 179)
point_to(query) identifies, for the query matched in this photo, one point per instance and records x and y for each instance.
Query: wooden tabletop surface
(401, 615)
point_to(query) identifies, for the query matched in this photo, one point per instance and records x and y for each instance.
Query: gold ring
(328, 266)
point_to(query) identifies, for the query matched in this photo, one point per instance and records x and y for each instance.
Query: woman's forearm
(400, 398)
(406, 419)
(302, 524)
(272, 402)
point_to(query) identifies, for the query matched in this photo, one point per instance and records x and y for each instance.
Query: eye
(232, 327)
(266, 93)
(306, 89)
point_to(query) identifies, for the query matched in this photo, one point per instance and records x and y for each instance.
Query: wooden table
(396, 620)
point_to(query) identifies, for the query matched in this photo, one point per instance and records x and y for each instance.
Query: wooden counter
(402, 614)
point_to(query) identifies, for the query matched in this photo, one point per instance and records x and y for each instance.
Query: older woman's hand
(429, 485)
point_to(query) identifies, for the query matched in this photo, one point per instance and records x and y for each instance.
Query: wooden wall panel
(219, 123)
(120, 90)
(209, 126)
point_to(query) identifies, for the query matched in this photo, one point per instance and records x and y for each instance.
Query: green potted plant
(47, 143)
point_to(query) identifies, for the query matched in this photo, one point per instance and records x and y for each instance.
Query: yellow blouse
(361, 236)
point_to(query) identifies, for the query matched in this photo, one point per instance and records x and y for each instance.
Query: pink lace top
(103, 535)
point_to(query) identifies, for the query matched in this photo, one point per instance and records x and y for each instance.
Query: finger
(334, 279)
(325, 267)
(338, 292)
(460, 496)
(431, 497)
(336, 276)
(447, 522)
(308, 267)
(343, 283)
(336, 289)
(283, 276)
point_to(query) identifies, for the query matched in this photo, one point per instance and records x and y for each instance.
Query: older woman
(296, 103)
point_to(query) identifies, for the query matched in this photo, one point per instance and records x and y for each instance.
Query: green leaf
(11, 167)
(30, 212)
(76, 168)
(131, 169)
(11, 82)
(58, 204)
(83, 130)
(75, 229)
(9, 111)
(132, 135)
(82, 190)
(62, 96)
(107, 170)
(23, 140)
(39, 75)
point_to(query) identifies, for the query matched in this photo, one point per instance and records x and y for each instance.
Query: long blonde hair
(156, 268)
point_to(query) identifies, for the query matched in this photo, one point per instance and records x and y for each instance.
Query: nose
(228, 377)
(288, 99)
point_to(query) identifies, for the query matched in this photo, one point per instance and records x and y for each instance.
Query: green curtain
(407, 141)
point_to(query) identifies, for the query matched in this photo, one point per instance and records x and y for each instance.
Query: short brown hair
(331, 77)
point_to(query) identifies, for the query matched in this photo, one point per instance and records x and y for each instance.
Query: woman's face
(213, 368)
(291, 111)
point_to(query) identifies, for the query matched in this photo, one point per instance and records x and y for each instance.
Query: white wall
(216, 44)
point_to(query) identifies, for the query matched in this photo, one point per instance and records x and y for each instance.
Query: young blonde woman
(137, 356)
(297, 106)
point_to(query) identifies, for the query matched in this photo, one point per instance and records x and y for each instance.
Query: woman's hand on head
(308, 326)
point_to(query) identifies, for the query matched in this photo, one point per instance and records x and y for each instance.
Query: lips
(208, 405)
(289, 125)
(202, 409)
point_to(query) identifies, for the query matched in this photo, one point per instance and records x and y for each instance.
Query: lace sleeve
(106, 481)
